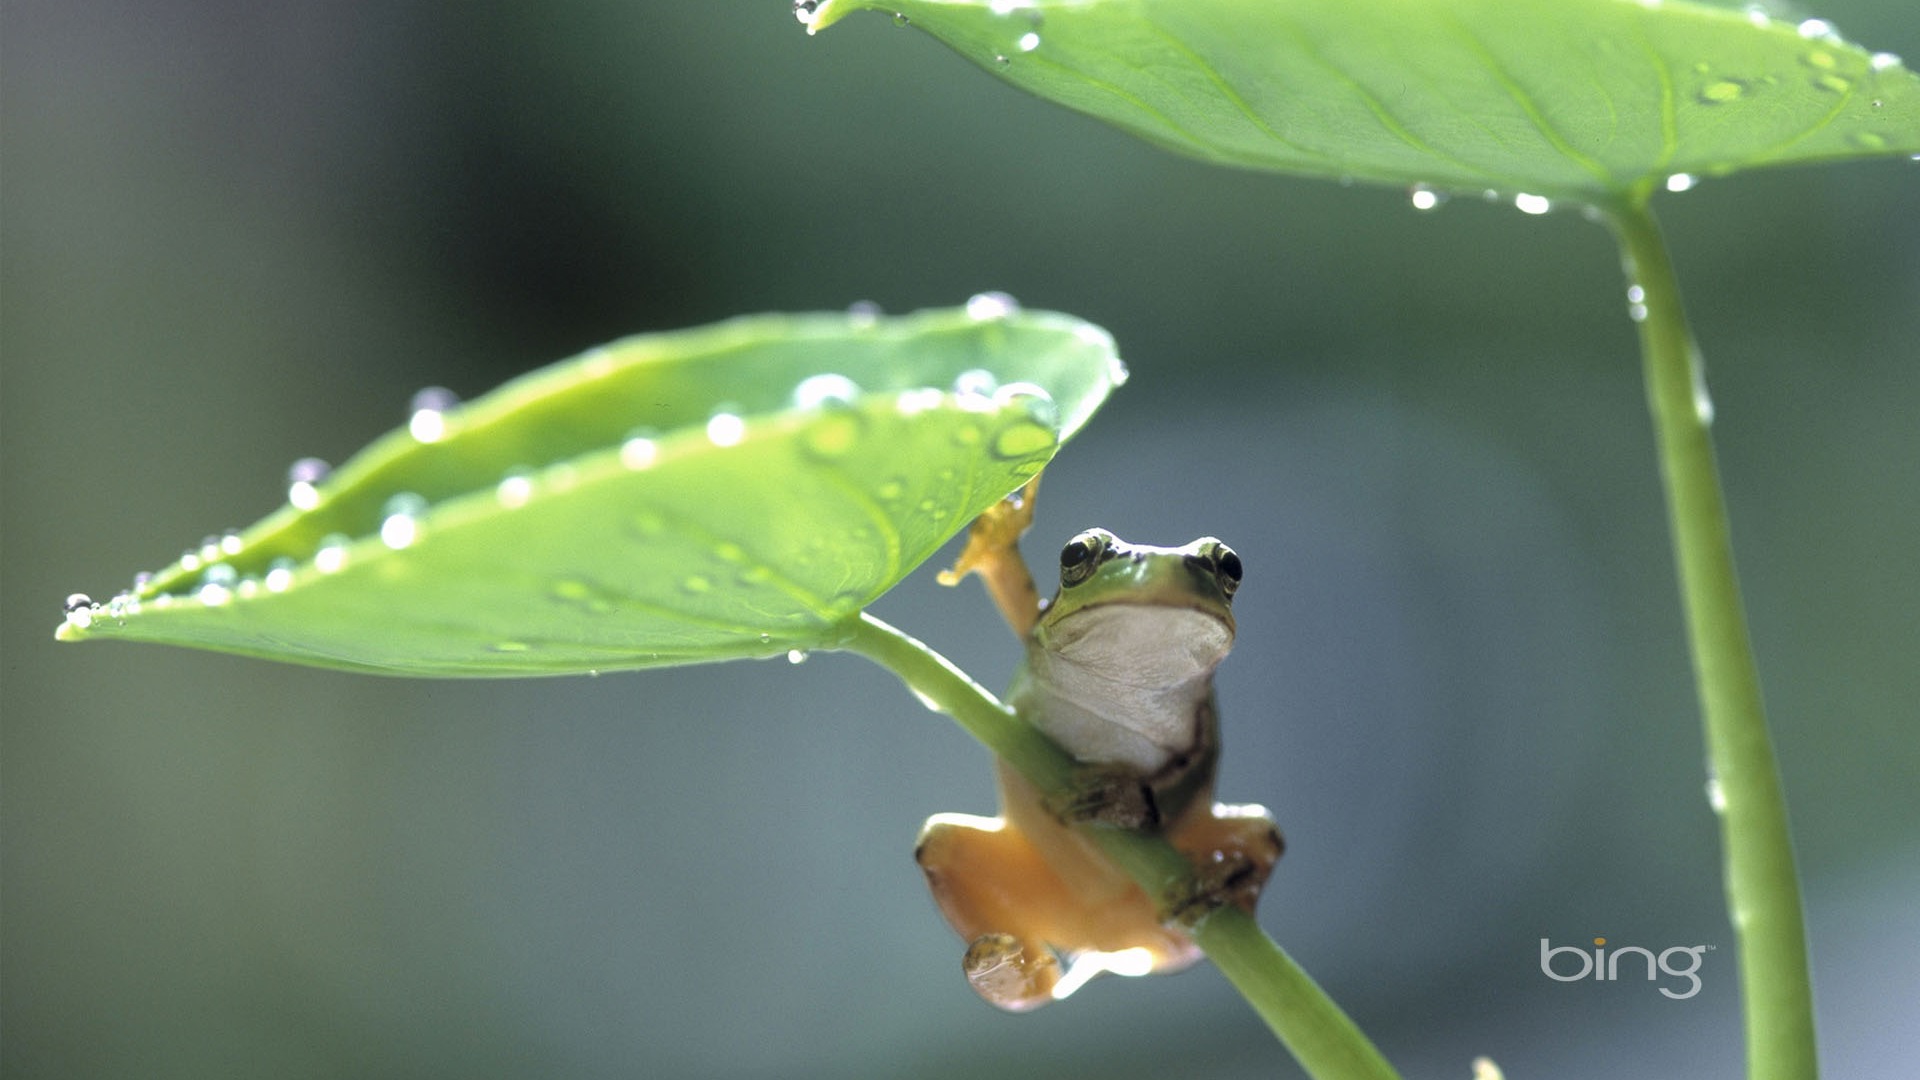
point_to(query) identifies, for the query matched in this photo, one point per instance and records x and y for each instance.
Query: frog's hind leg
(1021, 918)
(993, 552)
(991, 885)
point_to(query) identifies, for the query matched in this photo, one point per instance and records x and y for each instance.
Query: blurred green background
(238, 234)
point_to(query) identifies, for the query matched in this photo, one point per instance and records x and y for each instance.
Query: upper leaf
(738, 490)
(1580, 99)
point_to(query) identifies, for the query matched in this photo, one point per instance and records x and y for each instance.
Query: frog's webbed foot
(1233, 850)
(1009, 973)
(1111, 795)
(993, 552)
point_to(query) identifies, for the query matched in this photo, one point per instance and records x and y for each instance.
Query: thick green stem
(1324, 1040)
(1763, 890)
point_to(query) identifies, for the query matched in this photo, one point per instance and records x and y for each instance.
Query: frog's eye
(1082, 555)
(1226, 567)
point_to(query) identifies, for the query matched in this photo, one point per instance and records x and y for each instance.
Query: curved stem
(1325, 1041)
(1763, 891)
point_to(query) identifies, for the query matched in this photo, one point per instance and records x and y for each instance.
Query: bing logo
(1602, 966)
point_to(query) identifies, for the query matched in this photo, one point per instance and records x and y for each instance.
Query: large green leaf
(1578, 99)
(738, 490)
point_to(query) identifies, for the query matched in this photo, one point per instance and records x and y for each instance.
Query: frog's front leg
(1233, 849)
(993, 552)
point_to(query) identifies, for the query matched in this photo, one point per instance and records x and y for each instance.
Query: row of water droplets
(1822, 66)
(1026, 40)
(219, 583)
(836, 429)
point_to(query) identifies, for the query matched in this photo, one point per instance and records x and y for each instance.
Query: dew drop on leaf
(332, 556)
(303, 482)
(1029, 41)
(515, 489)
(726, 428)
(1722, 91)
(426, 419)
(991, 305)
(638, 451)
(78, 602)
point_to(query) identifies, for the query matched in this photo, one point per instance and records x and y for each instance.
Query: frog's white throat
(1124, 683)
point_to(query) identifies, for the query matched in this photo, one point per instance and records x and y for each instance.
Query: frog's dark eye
(1226, 567)
(1082, 555)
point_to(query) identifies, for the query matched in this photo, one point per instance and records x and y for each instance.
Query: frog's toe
(1011, 974)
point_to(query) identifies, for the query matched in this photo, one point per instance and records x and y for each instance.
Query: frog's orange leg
(993, 552)
(1016, 913)
(1233, 850)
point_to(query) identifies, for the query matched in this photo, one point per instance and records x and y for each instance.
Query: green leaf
(738, 490)
(1578, 99)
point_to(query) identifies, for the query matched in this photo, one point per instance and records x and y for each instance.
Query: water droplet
(1819, 59)
(400, 520)
(863, 313)
(1702, 401)
(210, 550)
(696, 584)
(805, 11)
(1000, 61)
(825, 390)
(900, 19)
(1532, 204)
(332, 554)
(1636, 295)
(1029, 41)
(189, 561)
(279, 575)
(915, 402)
(729, 552)
(726, 428)
(1816, 29)
(220, 574)
(1424, 197)
(303, 482)
(1681, 182)
(1030, 398)
(1722, 91)
(834, 433)
(141, 580)
(973, 390)
(756, 575)
(1716, 795)
(890, 490)
(1637, 312)
(639, 451)
(230, 543)
(1884, 61)
(1758, 16)
(427, 420)
(1023, 439)
(580, 594)
(1868, 140)
(510, 646)
(991, 305)
(214, 595)
(796, 656)
(515, 489)
(1838, 84)
(78, 602)
(967, 434)
(1117, 372)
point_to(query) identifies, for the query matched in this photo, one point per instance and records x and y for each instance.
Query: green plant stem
(1321, 1037)
(1763, 891)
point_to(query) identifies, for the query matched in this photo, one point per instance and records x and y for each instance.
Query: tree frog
(1119, 672)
